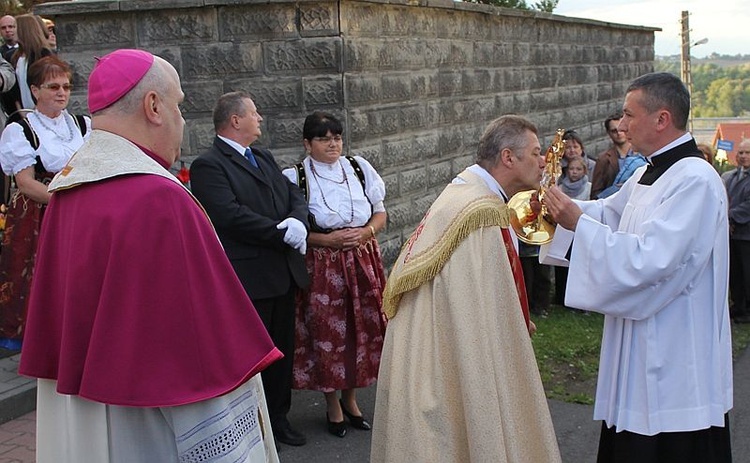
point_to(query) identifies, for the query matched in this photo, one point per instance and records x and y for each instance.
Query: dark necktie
(251, 157)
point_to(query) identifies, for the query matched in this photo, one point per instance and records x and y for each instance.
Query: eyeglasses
(326, 140)
(55, 86)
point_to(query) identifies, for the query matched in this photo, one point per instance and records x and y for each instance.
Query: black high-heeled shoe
(337, 429)
(358, 422)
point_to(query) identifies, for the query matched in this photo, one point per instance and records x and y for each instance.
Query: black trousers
(538, 280)
(739, 277)
(710, 445)
(277, 314)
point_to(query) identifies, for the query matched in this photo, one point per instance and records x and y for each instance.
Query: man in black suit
(261, 219)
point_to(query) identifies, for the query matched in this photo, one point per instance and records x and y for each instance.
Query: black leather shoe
(358, 422)
(337, 429)
(285, 434)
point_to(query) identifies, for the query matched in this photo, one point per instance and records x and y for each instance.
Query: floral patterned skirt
(22, 225)
(339, 326)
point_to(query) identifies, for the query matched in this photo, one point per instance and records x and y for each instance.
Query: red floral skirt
(20, 239)
(339, 325)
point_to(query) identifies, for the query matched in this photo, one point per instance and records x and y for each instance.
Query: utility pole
(685, 74)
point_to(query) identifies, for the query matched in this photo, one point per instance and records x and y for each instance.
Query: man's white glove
(295, 235)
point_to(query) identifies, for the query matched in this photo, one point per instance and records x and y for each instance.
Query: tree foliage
(16, 7)
(718, 91)
(542, 5)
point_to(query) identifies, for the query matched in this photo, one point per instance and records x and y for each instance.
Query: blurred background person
(10, 40)
(32, 45)
(7, 49)
(708, 152)
(51, 34)
(737, 183)
(33, 150)
(610, 161)
(574, 148)
(339, 325)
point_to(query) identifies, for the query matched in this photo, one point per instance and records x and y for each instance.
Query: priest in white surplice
(653, 258)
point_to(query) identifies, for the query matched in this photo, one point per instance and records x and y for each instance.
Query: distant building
(734, 132)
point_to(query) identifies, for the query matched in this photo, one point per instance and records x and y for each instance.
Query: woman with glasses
(33, 150)
(574, 149)
(339, 325)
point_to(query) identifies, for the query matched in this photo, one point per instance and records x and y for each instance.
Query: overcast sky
(726, 23)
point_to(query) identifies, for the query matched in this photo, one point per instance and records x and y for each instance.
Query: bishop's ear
(152, 108)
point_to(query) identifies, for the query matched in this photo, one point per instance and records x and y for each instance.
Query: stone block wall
(415, 82)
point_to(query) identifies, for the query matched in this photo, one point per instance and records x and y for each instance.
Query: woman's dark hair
(318, 124)
(47, 68)
(573, 135)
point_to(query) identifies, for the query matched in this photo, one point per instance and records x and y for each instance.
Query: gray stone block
(271, 95)
(421, 205)
(320, 92)
(362, 88)
(194, 25)
(200, 98)
(449, 142)
(450, 83)
(318, 19)
(390, 249)
(413, 180)
(373, 154)
(311, 55)
(222, 60)
(401, 215)
(358, 125)
(425, 84)
(412, 116)
(476, 81)
(425, 145)
(396, 87)
(98, 32)
(199, 137)
(439, 174)
(392, 189)
(360, 19)
(252, 22)
(146, 5)
(399, 152)
(285, 132)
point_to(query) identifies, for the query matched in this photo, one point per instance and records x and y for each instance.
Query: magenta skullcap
(116, 74)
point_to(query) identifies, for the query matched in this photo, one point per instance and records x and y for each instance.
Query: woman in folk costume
(339, 326)
(33, 150)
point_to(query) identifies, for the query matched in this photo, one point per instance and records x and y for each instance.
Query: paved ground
(577, 433)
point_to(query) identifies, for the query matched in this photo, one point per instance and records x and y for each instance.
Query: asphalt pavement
(577, 432)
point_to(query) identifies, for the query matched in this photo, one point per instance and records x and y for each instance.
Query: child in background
(575, 183)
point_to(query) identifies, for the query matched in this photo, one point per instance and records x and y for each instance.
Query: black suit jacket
(245, 204)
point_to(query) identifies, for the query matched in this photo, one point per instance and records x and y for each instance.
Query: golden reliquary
(531, 228)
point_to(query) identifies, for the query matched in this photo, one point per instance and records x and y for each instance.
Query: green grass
(567, 345)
